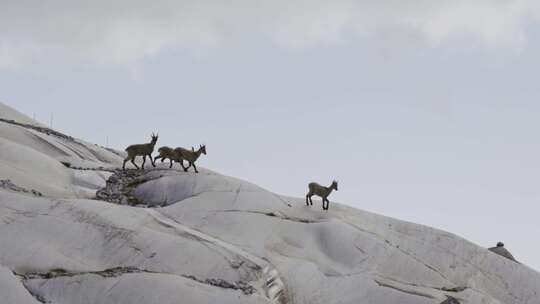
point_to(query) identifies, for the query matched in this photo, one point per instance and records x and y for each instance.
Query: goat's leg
(170, 166)
(155, 158)
(182, 164)
(309, 201)
(327, 204)
(151, 160)
(143, 161)
(124, 164)
(133, 162)
(194, 167)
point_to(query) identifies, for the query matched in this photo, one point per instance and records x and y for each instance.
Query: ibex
(167, 153)
(322, 191)
(190, 156)
(143, 150)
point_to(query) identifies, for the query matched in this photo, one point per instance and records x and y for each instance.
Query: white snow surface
(210, 238)
(9, 113)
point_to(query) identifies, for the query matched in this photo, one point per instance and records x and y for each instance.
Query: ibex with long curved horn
(143, 150)
(322, 191)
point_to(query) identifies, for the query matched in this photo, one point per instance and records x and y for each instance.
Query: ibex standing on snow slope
(143, 150)
(190, 156)
(322, 191)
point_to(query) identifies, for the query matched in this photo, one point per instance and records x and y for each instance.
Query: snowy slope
(9, 113)
(166, 236)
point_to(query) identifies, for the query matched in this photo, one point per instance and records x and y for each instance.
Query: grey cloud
(123, 32)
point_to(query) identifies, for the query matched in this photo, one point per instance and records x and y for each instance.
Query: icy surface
(167, 236)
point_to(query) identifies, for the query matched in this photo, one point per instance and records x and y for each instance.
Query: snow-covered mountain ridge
(75, 229)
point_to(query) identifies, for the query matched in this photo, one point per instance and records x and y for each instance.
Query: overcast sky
(424, 110)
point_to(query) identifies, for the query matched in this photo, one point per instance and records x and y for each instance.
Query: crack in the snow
(115, 272)
(411, 292)
(106, 273)
(455, 289)
(36, 296)
(274, 214)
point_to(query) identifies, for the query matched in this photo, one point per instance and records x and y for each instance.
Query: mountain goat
(168, 153)
(322, 191)
(190, 156)
(143, 150)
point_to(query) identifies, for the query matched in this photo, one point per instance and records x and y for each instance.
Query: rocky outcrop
(450, 300)
(119, 187)
(500, 250)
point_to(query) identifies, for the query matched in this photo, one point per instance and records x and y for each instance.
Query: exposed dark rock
(119, 187)
(450, 300)
(500, 250)
(454, 289)
(7, 184)
(107, 273)
(119, 271)
(242, 286)
(100, 168)
(39, 129)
